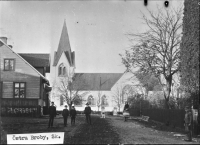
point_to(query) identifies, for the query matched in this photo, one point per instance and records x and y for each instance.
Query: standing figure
(52, 114)
(73, 115)
(126, 111)
(103, 112)
(65, 114)
(188, 123)
(87, 113)
(126, 107)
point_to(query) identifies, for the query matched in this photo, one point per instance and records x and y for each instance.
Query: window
(104, 101)
(9, 64)
(64, 70)
(91, 100)
(19, 90)
(61, 100)
(60, 70)
(78, 101)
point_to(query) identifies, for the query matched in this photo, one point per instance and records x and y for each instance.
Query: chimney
(10, 46)
(4, 39)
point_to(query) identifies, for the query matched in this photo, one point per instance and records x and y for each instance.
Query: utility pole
(0, 100)
(99, 94)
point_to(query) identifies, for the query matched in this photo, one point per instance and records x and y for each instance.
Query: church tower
(62, 65)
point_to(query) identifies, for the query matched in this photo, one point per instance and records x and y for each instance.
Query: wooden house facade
(23, 87)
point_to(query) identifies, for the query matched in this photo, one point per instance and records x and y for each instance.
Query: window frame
(104, 97)
(19, 89)
(91, 100)
(61, 100)
(9, 59)
(61, 69)
(64, 70)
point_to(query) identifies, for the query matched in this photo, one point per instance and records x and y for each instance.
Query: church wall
(54, 79)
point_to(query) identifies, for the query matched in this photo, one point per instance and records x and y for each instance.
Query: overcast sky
(97, 29)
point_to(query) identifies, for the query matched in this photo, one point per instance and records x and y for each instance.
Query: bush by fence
(172, 117)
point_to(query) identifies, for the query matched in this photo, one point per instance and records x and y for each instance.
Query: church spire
(64, 45)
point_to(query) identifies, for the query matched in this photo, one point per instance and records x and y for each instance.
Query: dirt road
(134, 132)
(107, 131)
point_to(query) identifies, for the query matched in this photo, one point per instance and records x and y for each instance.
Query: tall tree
(190, 51)
(149, 81)
(156, 51)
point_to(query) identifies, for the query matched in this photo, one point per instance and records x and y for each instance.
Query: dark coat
(126, 107)
(52, 111)
(87, 110)
(65, 113)
(72, 112)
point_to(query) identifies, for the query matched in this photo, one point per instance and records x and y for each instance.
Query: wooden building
(24, 89)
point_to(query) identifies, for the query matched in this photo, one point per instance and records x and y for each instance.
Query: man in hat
(65, 114)
(188, 123)
(73, 114)
(87, 113)
(52, 114)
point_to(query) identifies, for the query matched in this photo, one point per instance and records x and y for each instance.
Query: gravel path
(133, 132)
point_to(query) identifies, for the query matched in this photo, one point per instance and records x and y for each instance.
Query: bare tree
(118, 96)
(99, 99)
(72, 89)
(156, 51)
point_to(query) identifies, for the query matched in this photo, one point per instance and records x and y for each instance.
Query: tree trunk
(168, 91)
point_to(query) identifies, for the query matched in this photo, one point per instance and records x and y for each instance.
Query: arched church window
(78, 101)
(61, 69)
(64, 70)
(61, 100)
(91, 100)
(104, 101)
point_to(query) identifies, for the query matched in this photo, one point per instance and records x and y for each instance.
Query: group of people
(66, 113)
(87, 112)
(72, 113)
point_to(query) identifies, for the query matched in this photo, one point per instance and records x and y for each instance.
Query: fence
(20, 107)
(168, 116)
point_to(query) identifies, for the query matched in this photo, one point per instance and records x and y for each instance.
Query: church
(98, 89)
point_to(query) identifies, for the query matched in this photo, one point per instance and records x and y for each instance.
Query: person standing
(65, 114)
(87, 113)
(188, 123)
(126, 111)
(126, 107)
(103, 112)
(73, 115)
(52, 114)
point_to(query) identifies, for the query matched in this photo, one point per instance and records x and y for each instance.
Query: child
(103, 112)
(73, 114)
(65, 115)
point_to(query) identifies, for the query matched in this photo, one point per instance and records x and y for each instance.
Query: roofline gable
(25, 61)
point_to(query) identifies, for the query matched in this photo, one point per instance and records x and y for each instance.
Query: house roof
(64, 46)
(36, 59)
(46, 81)
(93, 80)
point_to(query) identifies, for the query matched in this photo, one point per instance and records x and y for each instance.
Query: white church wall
(54, 80)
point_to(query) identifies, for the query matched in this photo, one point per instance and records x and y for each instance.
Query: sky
(97, 29)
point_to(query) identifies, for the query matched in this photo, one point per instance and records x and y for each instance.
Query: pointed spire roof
(64, 45)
